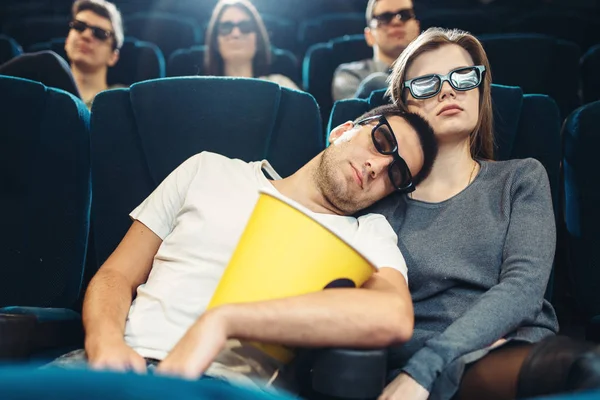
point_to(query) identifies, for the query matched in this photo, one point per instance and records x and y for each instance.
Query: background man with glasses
(391, 26)
(146, 306)
(93, 44)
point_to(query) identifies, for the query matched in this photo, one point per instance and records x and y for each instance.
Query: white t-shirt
(200, 211)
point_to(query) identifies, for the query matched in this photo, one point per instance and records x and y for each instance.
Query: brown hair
(106, 10)
(213, 62)
(482, 137)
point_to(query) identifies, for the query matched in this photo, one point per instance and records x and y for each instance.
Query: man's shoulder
(375, 224)
(210, 157)
(209, 162)
(362, 66)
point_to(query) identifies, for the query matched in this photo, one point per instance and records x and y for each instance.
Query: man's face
(393, 37)
(85, 50)
(352, 174)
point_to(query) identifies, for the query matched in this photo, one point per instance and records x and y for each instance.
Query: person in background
(92, 46)
(237, 44)
(391, 26)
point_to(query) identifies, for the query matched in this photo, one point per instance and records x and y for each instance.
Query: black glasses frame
(404, 187)
(445, 78)
(245, 26)
(99, 33)
(386, 18)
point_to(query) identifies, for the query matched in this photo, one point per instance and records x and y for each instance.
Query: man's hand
(404, 387)
(115, 355)
(198, 348)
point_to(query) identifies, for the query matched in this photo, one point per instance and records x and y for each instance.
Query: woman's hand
(404, 387)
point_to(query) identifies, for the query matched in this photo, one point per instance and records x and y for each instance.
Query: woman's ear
(340, 130)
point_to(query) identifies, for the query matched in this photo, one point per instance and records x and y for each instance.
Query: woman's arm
(518, 297)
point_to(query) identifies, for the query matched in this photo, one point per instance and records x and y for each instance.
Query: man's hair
(369, 12)
(422, 128)
(106, 10)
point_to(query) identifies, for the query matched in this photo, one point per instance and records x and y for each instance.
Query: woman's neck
(89, 83)
(243, 70)
(453, 170)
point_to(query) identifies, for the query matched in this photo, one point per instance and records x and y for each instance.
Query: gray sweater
(478, 266)
(347, 78)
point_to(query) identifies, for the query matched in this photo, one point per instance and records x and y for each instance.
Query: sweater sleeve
(528, 255)
(345, 82)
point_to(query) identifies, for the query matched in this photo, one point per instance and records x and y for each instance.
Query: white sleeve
(379, 243)
(159, 210)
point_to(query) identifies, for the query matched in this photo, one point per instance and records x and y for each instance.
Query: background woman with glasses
(478, 237)
(237, 44)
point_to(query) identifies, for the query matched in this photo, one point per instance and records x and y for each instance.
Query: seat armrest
(15, 335)
(349, 373)
(28, 330)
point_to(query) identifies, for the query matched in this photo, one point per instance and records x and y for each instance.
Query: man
(391, 26)
(184, 233)
(93, 44)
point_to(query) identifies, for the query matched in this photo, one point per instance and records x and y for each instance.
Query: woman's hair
(482, 137)
(213, 62)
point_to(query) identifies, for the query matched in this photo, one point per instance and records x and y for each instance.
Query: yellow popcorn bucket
(285, 252)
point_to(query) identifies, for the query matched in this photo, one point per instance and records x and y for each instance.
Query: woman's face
(236, 36)
(452, 114)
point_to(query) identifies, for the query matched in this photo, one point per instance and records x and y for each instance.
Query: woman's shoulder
(526, 170)
(281, 80)
(522, 167)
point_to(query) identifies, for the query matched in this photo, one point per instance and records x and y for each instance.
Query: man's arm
(345, 83)
(377, 315)
(109, 296)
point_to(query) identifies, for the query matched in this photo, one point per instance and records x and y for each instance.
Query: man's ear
(114, 57)
(369, 38)
(340, 130)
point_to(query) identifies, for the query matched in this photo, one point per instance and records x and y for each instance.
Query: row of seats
(171, 31)
(138, 60)
(200, 10)
(134, 138)
(536, 63)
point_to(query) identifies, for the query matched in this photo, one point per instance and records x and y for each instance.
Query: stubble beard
(332, 191)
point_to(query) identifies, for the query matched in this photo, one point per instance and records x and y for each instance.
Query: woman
(479, 239)
(237, 44)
